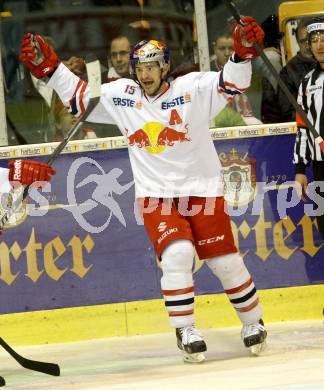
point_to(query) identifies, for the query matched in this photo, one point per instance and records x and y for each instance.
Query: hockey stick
(19, 137)
(45, 368)
(15, 198)
(2, 382)
(318, 139)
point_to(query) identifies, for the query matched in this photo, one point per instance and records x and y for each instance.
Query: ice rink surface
(294, 359)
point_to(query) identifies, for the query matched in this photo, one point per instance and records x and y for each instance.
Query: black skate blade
(255, 339)
(196, 347)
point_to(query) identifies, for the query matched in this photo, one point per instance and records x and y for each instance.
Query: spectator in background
(77, 66)
(238, 112)
(118, 67)
(292, 74)
(119, 58)
(118, 63)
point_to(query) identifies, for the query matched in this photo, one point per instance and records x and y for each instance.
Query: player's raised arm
(235, 77)
(43, 62)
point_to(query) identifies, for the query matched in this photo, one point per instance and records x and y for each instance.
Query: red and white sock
(177, 283)
(238, 285)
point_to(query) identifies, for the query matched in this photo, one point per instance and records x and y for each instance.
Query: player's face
(149, 76)
(119, 54)
(223, 48)
(317, 47)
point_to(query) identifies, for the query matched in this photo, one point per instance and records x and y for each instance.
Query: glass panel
(251, 107)
(77, 28)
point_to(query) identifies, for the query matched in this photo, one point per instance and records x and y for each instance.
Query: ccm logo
(211, 240)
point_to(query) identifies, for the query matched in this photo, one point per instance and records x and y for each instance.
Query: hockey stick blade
(45, 368)
(2, 382)
(318, 139)
(94, 82)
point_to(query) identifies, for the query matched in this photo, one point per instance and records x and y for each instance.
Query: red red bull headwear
(149, 51)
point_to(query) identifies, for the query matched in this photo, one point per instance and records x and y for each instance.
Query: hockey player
(310, 97)
(177, 172)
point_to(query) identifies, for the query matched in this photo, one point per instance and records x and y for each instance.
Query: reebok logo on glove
(46, 70)
(17, 170)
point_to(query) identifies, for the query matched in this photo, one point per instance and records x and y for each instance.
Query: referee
(311, 99)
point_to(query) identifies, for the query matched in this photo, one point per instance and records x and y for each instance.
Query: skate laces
(190, 335)
(252, 329)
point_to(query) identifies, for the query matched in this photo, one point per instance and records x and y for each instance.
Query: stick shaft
(235, 13)
(57, 151)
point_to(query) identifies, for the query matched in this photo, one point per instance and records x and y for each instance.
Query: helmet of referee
(314, 26)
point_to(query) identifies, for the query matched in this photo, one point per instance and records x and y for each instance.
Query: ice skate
(254, 337)
(190, 341)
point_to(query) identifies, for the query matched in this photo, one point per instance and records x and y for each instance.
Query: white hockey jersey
(170, 147)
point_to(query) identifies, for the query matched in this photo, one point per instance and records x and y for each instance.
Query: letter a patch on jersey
(175, 118)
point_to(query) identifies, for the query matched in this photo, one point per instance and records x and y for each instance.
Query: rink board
(66, 259)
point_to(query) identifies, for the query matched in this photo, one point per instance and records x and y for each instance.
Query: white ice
(294, 360)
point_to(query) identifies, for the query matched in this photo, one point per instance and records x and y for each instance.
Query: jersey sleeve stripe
(73, 106)
(227, 87)
(84, 86)
(233, 86)
(73, 101)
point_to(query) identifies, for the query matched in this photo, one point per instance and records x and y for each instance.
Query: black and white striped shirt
(311, 99)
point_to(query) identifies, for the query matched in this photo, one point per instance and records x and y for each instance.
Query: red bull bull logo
(155, 137)
(169, 136)
(139, 138)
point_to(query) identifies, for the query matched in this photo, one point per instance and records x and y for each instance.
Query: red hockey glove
(38, 56)
(245, 36)
(28, 172)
